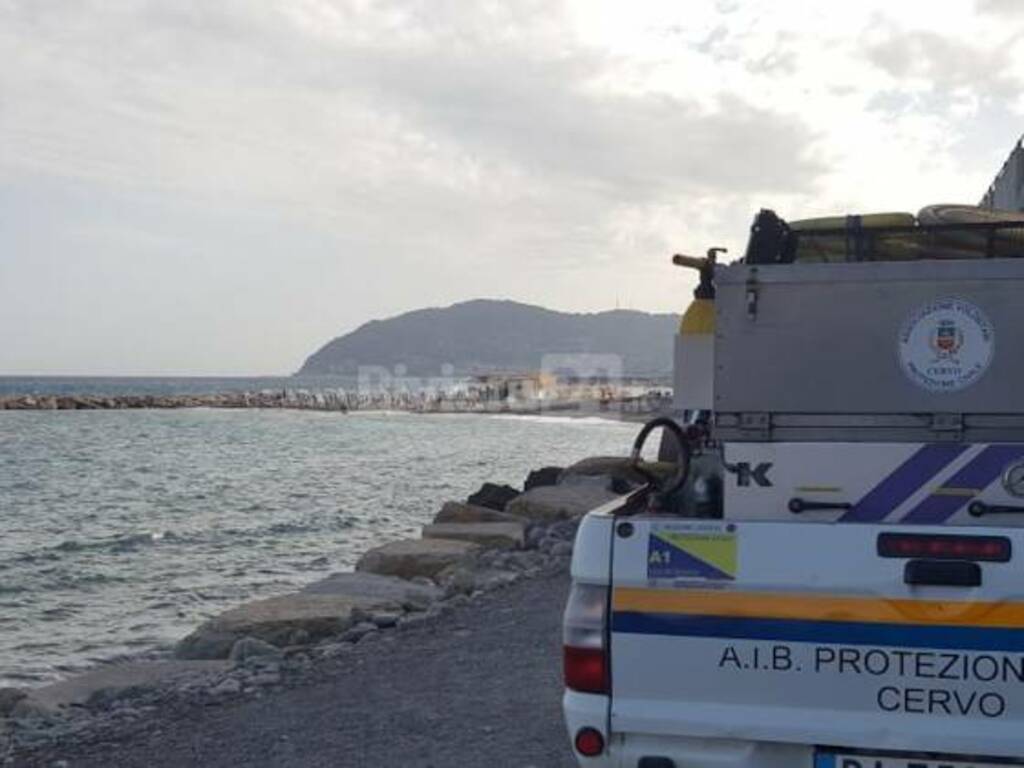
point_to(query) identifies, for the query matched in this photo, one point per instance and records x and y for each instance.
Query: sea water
(120, 531)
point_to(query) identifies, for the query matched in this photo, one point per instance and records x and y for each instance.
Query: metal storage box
(919, 350)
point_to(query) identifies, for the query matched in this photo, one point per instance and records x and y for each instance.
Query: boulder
(457, 512)
(409, 558)
(493, 496)
(386, 619)
(275, 620)
(615, 471)
(9, 697)
(359, 631)
(251, 647)
(487, 535)
(614, 467)
(559, 502)
(229, 686)
(461, 580)
(31, 709)
(561, 549)
(109, 681)
(207, 642)
(543, 476)
(411, 595)
(604, 482)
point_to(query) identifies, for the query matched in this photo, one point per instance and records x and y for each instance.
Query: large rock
(457, 512)
(493, 496)
(110, 680)
(616, 472)
(276, 619)
(559, 502)
(9, 697)
(618, 468)
(597, 481)
(410, 595)
(465, 581)
(543, 476)
(207, 642)
(487, 535)
(251, 648)
(410, 558)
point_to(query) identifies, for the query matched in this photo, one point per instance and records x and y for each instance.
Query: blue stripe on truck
(832, 632)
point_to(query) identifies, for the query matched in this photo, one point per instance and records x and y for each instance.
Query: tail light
(585, 642)
(944, 547)
(589, 742)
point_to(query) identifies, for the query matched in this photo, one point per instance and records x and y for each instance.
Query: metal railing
(853, 243)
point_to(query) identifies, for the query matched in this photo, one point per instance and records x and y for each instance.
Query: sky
(197, 188)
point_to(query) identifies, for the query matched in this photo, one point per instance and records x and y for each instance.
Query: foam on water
(122, 530)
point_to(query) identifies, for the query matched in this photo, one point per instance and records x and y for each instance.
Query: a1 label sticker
(703, 551)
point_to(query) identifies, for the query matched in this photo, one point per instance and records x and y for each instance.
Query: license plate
(842, 760)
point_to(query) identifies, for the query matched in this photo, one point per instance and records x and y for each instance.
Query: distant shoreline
(621, 407)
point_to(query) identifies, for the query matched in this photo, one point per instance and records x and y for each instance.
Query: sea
(121, 531)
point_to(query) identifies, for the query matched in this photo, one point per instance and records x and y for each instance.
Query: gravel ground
(479, 687)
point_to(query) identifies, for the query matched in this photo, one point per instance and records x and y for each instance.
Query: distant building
(1006, 192)
(533, 385)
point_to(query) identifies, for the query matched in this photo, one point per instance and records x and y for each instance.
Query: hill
(484, 335)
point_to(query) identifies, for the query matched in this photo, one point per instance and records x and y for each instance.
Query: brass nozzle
(698, 262)
(693, 262)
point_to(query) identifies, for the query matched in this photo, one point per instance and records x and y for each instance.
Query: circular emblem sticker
(1013, 479)
(947, 345)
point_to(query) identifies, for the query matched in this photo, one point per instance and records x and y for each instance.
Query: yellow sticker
(692, 551)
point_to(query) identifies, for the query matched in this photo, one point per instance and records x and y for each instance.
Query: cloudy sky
(219, 187)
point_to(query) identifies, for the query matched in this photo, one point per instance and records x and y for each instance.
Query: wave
(120, 543)
(567, 419)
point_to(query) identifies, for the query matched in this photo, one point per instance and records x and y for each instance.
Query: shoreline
(496, 538)
(441, 692)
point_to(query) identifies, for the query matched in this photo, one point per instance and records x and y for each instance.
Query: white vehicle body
(859, 603)
(768, 654)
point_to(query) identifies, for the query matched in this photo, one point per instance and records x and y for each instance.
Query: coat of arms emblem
(946, 345)
(947, 338)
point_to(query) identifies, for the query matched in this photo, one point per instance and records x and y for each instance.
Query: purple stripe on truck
(895, 489)
(977, 474)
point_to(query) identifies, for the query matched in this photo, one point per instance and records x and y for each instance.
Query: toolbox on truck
(870, 351)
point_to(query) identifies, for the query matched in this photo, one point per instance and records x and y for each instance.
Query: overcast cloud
(221, 187)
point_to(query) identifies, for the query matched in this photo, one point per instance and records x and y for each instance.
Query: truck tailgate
(803, 632)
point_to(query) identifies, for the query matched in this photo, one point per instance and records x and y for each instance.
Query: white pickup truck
(832, 576)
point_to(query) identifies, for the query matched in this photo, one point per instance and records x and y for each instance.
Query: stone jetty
(326, 400)
(578, 402)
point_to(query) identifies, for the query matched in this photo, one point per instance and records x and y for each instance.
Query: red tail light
(584, 632)
(589, 742)
(586, 670)
(944, 547)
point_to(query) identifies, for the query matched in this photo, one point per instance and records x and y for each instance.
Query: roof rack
(774, 241)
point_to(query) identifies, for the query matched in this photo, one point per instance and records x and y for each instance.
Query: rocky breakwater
(495, 538)
(342, 401)
(327, 400)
